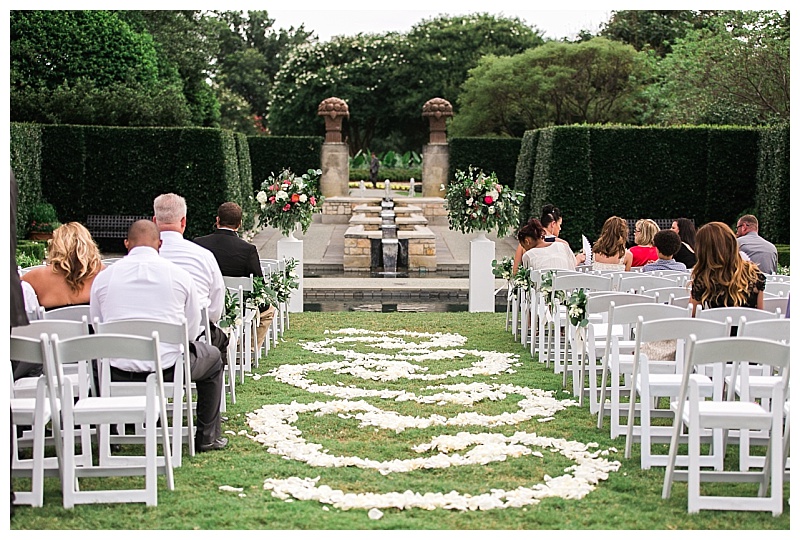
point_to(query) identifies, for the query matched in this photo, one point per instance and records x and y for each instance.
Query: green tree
(657, 30)
(555, 84)
(89, 67)
(250, 54)
(734, 71)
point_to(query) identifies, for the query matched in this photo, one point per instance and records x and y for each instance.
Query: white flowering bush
(288, 200)
(478, 202)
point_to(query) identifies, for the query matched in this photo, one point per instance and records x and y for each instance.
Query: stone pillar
(335, 153)
(436, 154)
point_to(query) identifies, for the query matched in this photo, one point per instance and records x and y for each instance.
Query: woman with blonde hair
(608, 252)
(721, 278)
(644, 251)
(73, 261)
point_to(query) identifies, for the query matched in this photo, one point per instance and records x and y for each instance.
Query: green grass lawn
(629, 499)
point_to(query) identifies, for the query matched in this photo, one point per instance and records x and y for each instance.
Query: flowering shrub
(289, 199)
(477, 202)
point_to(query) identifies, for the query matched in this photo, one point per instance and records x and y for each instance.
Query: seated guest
(759, 250)
(667, 243)
(721, 277)
(686, 231)
(170, 218)
(236, 257)
(644, 252)
(73, 263)
(541, 254)
(144, 285)
(608, 252)
(551, 220)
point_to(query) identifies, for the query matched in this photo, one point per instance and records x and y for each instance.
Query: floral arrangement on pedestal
(288, 200)
(478, 202)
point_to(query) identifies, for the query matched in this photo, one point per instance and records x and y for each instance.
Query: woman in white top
(609, 252)
(541, 254)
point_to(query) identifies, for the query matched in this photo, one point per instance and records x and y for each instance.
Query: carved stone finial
(437, 110)
(334, 110)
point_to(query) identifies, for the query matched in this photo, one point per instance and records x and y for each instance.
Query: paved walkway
(323, 249)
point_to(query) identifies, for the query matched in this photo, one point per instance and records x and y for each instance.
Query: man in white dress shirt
(170, 217)
(145, 285)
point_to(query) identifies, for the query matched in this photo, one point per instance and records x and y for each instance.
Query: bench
(110, 226)
(662, 224)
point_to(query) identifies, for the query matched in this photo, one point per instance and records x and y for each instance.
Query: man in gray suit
(760, 251)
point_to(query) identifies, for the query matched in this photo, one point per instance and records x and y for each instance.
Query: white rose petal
(375, 514)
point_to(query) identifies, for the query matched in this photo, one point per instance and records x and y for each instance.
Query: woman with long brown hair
(721, 277)
(608, 252)
(73, 261)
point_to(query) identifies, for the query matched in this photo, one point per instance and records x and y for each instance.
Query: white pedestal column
(290, 247)
(481, 279)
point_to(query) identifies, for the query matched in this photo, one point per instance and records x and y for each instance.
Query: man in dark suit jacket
(236, 257)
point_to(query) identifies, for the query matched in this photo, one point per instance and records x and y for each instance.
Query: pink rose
(287, 207)
(272, 200)
(313, 201)
(488, 200)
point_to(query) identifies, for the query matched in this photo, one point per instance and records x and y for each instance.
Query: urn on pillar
(335, 154)
(437, 110)
(334, 110)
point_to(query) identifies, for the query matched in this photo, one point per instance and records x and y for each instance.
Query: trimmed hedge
(26, 163)
(526, 161)
(772, 185)
(783, 253)
(393, 175)
(270, 155)
(111, 170)
(35, 249)
(492, 154)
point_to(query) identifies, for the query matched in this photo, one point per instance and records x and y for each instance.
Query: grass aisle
(628, 499)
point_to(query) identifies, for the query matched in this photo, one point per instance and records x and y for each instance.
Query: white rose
(281, 195)
(493, 194)
(303, 197)
(491, 209)
(470, 201)
(261, 197)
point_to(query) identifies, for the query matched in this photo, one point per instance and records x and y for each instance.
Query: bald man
(145, 285)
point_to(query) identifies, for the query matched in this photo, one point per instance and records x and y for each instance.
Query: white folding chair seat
(759, 385)
(102, 410)
(654, 379)
(617, 363)
(179, 389)
(697, 414)
(37, 412)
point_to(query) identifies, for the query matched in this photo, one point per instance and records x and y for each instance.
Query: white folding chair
(228, 378)
(664, 294)
(248, 344)
(179, 389)
(69, 313)
(268, 266)
(642, 280)
(781, 288)
(735, 313)
(697, 414)
(760, 383)
(102, 410)
(35, 411)
(618, 360)
(773, 304)
(653, 379)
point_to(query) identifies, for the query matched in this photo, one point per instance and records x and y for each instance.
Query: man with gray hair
(760, 251)
(170, 216)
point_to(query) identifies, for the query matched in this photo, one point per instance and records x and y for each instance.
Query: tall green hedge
(270, 155)
(109, 170)
(772, 185)
(526, 161)
(26, 163)
(248, 204)
(731, 174)
(492, 154)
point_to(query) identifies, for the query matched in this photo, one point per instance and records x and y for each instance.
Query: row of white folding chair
(636, 281)
(697, 414)
(179, 389)
(551, 316)
(777, 277)
(282, 314)
(760, 382)
(653, 379)
(246, 333)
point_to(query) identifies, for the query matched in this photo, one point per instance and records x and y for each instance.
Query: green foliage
(269, 155)
(503, 268)
(84, 172)
(555, 84)
(231, 315)
(773, 184)
(732, 165)
(26, 163)
(498, 154)
(43, 218)
(656, 30)
(393, 175)
(248, 202)
(732, 70)
(263, 295)
(783, 256)
(478, 202)
(286, 281)
(524, 173)
(31, 250)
